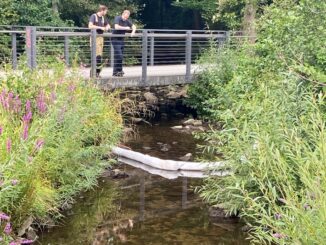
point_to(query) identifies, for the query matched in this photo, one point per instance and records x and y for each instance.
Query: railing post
(31, 46)
(14, 50)
(152, 50)
(93, 53)
(66, 54)
(188, 55)
(112, 55)
(144, 56)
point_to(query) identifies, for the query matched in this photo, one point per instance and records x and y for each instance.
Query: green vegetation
(55, 130)
(270, 99)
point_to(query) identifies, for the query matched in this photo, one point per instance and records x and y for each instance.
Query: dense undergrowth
(55, 130)
(270, 99)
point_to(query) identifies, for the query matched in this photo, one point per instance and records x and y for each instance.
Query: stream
(143, 208)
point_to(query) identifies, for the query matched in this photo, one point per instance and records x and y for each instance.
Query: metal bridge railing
(33, 46)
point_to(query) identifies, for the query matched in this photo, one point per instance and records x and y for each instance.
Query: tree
(229, 14)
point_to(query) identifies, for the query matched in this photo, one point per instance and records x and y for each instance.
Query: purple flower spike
(39, 144)
(278, 235)
(282, 200)
(28, 106)
(4, 216)
(8, 145)
(41, 103)
(14, 182)
(26, 242)
(7, 229)
(277, 216)
(306, 206)
(25, 132)
(13, 243)
(28, 117)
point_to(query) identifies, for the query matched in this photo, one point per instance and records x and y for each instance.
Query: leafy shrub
(272, 107)
(54, 131)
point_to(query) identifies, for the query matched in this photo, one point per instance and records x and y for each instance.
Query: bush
(271, 104)
(54, 131)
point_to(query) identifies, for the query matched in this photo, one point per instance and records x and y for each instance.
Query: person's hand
(107, 27)
(133, 34)
(128, 28)
(103, 28)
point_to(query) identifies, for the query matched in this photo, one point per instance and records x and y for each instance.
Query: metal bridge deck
(156, 76)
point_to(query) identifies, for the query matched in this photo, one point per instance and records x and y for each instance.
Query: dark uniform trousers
(118, 47)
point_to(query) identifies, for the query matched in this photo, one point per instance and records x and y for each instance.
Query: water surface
(146, 209)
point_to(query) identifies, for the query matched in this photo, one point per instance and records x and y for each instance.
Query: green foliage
(78, 11)
(29, 12)
(270, 100)
(52, 147)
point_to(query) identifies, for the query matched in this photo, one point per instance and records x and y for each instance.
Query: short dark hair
(102, 8)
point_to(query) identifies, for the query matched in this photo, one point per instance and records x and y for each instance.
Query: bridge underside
(156, 76)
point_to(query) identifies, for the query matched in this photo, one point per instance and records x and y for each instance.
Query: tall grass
(270, 99)
(55, 130)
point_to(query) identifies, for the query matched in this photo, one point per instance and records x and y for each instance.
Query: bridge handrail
(172, 45)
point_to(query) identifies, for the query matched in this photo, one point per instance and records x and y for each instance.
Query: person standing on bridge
(122, 24)
(98, 22)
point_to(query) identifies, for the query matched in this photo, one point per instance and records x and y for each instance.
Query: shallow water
(145, 209)
(156, 139)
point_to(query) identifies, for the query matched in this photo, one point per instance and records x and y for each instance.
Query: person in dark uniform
(98, 22)
(122, 24)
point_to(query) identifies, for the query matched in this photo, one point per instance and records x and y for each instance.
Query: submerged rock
(147, 148)
(119, 174)
(165, 147)
(31, 234)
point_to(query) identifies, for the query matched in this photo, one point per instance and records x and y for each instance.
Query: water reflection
(142, 209)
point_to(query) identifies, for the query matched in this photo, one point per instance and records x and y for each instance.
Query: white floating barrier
(168, 168)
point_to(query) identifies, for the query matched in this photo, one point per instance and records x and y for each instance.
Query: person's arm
(91, 26)
(107, 25)
(134, 29)
(119, 27)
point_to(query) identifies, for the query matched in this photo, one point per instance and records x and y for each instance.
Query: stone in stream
(177, 127)
(150, 98)
(165, 147)
(174, 95)
(186, 157)
(25, 226)
(118, 174)
(31, 234)
(147, 148)
(193, 122)
(136, 120)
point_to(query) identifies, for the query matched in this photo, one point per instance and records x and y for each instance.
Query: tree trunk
(55, 6)
(249, 20)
